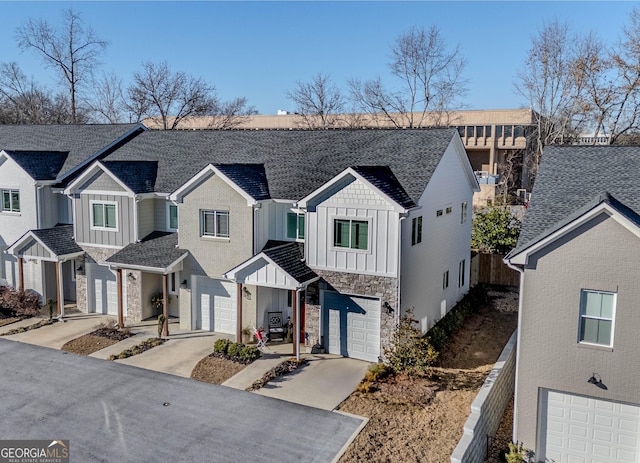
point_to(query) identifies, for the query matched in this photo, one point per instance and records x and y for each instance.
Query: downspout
(399, 271)
(515, 389)
(38, 203)
(136, 226)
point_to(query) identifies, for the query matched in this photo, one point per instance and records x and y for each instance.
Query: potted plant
(246, 335)
(157, 302)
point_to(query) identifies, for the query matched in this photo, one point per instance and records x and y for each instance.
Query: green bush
(234, 349)
(221, 346)
(516, 453)
(410, 352)
(250, 353)
(377, 371)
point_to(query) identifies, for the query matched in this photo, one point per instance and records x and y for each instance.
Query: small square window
(448, 210)
(352, 234)
(10, 200)
(104, 216)
(438, 212)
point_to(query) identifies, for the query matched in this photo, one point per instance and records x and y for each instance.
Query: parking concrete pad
(58, 334)
(325, 382)
(112, 412)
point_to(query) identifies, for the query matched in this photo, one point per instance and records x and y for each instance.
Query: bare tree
(158, 91)
(23, 101)
(430, 77)
(72, 49)
(231, 114)
(553, 89)
(319, 102)
(107, 104)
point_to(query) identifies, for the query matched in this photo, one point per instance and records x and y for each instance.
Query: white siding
(270, 222)
(354, 201)
(445, 242)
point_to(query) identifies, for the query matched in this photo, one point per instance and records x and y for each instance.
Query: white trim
(176, 281)
(581, 315)
(215, 216)
(168, 215)
(106, 193)
(332, 245)
(165, 271)
(103, 228)
(204, 174)
(522, 258)
(96, 245)
(86, 175)
(297, 213)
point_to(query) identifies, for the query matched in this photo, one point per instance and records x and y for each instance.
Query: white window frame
(103, 203)
(11, 208)
(416, 230)
(461, 272)
(286, 225)
(464, 211)
(215, 213)
(445, 280)
(612, 319)
(351, 219)
(169, 206)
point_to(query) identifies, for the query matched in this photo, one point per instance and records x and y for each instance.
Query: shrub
(14, 303)
(516, 453)
(250, 353)
(495, 229)
(410, 352)
(234, 349)
(161, 320)
(221, 346)
(377, 371)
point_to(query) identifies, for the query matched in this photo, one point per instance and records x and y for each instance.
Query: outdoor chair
(261, 339)
(276, 328)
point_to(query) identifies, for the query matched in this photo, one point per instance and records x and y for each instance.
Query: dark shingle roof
(296, 163)
(80, 141)
(289, 256)
(139, 176)
(573, 179)
(383, 178)
(250, 177)
(40, 165)
(59, 239)
(156, 250)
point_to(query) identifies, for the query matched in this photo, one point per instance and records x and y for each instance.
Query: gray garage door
(352, 325)
(215, 305)
(578, 429)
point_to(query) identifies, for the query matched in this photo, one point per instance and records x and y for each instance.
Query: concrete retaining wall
(488, 407)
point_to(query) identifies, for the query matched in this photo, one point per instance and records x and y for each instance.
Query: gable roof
(158, 251)
(81, 142)
(58, 240)
(296, 163)
(40, 165)
(573, 180)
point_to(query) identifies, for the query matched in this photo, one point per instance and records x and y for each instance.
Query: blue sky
(260, 49)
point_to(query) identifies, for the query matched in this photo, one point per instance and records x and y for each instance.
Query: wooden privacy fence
(490, 269)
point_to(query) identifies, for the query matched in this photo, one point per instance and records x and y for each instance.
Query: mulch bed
(215, 369)
(96, 340)
(284, 368)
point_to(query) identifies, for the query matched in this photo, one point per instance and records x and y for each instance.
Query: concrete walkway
(58, 334)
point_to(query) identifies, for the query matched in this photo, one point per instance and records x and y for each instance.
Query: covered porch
(151, 271)
(52, 254)
(273, 284)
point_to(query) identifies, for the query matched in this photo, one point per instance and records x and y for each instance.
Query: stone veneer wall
(99, 255)
(386, 288)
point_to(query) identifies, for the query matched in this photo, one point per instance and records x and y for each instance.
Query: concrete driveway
(56, 335)
(113, 412)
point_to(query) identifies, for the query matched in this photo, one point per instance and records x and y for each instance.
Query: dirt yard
(421, 420)
(215, 370)
(103, 336)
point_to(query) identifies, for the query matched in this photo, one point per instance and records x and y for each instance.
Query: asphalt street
(118, 413)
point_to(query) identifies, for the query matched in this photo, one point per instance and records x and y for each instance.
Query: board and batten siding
(354, 201)
(271, 222)
(125, 233)
(35, 249)
(445, 242)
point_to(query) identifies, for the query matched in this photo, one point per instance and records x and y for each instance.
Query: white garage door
(579, 429)
(352, 325)
(216, 310)
(102, 290)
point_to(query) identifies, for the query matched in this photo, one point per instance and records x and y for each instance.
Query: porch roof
(280, 264)
(157, 252)
(51, 244)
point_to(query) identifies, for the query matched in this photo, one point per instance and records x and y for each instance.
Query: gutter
(520, 270)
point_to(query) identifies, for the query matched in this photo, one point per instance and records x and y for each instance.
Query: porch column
(59, 288)
(120, 306)
(296, 326)
(20, 274)
(165, 305)
(239, 313)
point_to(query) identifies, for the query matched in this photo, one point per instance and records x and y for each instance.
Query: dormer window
(295, 226)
